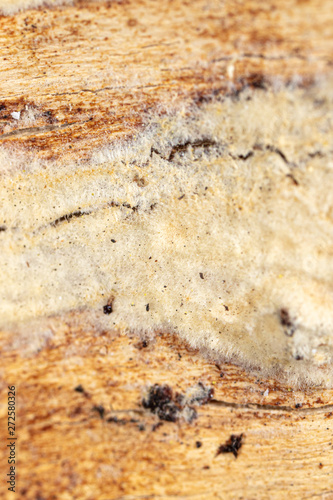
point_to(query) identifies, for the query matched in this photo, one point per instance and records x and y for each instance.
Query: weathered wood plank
(84, 75)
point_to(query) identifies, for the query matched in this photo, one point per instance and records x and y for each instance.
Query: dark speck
(100, 410)
(287, 322)
(107, 309)
(147, 307)
(113, 241)
(79, 388)
(198, 444)
(226, 308)
(233, 445)
(298, 405)
(2, 228)
(201, 276)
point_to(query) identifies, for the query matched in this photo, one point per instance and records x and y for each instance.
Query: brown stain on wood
(94, 74)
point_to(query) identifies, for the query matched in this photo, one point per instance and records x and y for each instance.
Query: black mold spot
(201, 276)
(160, 401)
(79, 388)
(287, 322)
(3, 228)
(170, 407)
(198, 444)
(141, 345)
(113, 241)
(181, 197)
(100, 410)
(298, 405)
(232, 445)
(108, 308)
(147, 307)
(226, 307)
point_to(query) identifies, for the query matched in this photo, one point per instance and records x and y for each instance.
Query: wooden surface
(90, 73)
(83, 76)
(66, 450)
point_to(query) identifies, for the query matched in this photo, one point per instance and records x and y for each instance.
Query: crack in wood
(39, 130)
(270, 408)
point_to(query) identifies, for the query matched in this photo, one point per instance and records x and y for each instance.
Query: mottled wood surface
(66, 450)
(89, 74)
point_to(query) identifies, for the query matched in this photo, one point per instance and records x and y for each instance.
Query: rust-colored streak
(103, 66)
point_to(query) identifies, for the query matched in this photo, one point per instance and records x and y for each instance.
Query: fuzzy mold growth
(215, 224)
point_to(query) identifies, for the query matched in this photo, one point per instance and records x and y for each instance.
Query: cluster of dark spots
(68, 217)
(141, 345)
(108, 308)
(232, 445)
(286, 322)
(160, 401)
(298, 405)
(127, 205)
(170, 406)
(140, 181)
(100, 410)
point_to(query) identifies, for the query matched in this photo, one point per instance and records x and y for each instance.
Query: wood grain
(86, 75)
(92, 72)
(66, 450)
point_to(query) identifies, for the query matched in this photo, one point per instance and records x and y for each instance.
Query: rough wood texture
(66, 450)
(89, 72)
(83, 76)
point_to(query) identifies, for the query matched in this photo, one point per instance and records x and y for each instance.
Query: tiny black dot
(107, 309)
